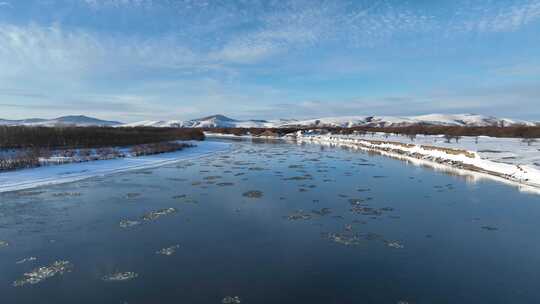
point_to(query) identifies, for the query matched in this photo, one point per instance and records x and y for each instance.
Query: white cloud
(499, 17)
(210, 43)
(119, 3)
(34, 49)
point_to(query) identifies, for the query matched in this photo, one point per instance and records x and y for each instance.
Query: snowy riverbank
(59, 174)
(505, 159)
(458, 155)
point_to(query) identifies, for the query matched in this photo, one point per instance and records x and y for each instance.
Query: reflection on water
(272, 222)
(471, 177)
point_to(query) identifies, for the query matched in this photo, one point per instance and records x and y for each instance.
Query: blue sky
(147, 59)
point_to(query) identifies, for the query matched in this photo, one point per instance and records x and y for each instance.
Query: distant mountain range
(221, 121)
(72, 120)
(214, 121)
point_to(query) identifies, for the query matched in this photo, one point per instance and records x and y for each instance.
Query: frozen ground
(501, 150)
(58, 174)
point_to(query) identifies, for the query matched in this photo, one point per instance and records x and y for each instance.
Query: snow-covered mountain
(221, 121)
(11, 122)
(214, 121)
(468, 120)
(72, 120)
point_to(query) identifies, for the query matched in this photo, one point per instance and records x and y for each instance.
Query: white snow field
(59, 174)
(506, 158)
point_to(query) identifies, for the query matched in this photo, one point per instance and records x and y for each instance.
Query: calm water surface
(330, 226)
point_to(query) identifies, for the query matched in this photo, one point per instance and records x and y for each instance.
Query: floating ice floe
(253, 194)
(347, 239)
(4, 244)
(120, 276)
(132, 195)
(29, 193)
(256, 169)
(394, 244)
(299, 215)
(231, 300)
(129, 223)
(169, 250)
(39, 274)
(25, 260)
(154, 215)
(151, 216)
(67, 194)
(299, 178)
(322, 211)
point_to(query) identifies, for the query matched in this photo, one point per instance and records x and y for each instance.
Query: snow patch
(60, 174)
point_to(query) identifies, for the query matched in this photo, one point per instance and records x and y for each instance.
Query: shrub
(157, 148)
(22, 137)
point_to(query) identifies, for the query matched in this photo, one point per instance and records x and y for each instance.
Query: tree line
(23, 137)
(526, 132)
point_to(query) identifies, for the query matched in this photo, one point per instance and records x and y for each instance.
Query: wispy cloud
(498, 16)
(30, 49)
(251, 55)
(118, 3)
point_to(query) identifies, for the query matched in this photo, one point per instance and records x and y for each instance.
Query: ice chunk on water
(132, 195)
(3, 244)
(253, 194)
(151, 216)
(129, 223)
(120, 276)
(231, 300)
(346, 239)
(154, 215)
(299, 215)
(25, 260)
(67, 194)
(39, 274)
(169, 250)
(394, 244)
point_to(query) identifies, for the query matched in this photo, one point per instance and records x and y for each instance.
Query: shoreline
(460, 159)
(470, 172)
(439, 158)
(67, 173)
